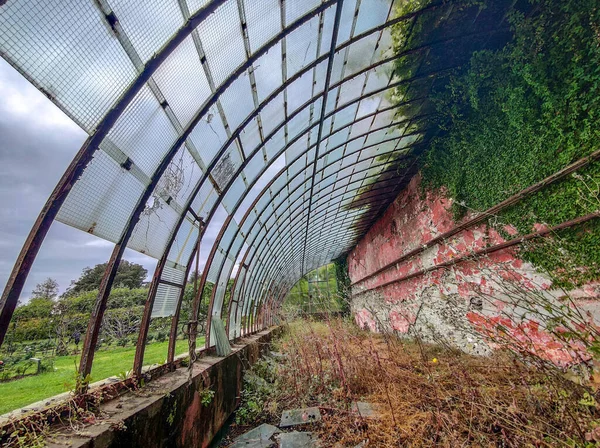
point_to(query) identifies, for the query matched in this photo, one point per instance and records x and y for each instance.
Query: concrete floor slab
(298, 440)
(259, 437)
(300, 417)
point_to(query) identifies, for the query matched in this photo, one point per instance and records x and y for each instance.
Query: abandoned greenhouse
(312, 223)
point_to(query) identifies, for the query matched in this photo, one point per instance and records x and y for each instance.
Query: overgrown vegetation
(515, 107)
(427, 395)
(316, 292)
(51, 328)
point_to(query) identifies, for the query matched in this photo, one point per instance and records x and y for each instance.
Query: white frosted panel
(275, 144)
(195, 5)
(250, 137)
(296, 149)
(337, 69)
(372, 14)
(384, 118)
(331, 101)
(209, 135)
(143, 132)
(182, 81)
(327, 33)
(379, 77)
(301, 46)
(66, 49)
(165, 302)
(237, 244)
(180, 178)
(272, 114)
(362, 54)
(268, 73)
(361, 126)
(347, 19)
(370, 104)
(299, 123)
(299, 92)
(213, 271)
(237, 101)
(204, 200)
(152, 231)
(254, 166)
(173, 274)
(222, 40)
(103, 199)
(294, 9)
(351, 89)
(234, 194)
(227, 165)
(296, 167)
(264, 21)
(148, 25)
(183, 243)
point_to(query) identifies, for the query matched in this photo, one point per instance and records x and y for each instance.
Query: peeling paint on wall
(462, 304)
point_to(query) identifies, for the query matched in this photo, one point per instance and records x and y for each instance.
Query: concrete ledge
(171, 411)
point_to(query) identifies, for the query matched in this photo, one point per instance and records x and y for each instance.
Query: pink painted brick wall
(447, 302)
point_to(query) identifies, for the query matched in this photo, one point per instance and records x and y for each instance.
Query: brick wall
(462, 302)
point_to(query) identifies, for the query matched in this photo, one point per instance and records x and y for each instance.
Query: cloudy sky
(37, 142)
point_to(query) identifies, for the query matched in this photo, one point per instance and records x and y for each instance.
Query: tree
(129, 275)
(36, 308)
(48, 289)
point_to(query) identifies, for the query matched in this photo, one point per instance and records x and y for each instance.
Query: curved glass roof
(269, 123)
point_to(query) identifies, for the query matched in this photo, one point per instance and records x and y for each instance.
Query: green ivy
(515, 114)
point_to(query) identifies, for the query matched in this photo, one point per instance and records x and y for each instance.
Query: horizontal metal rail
(493, 211)
(488, 250)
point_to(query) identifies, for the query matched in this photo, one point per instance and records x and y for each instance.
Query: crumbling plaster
(455, 304)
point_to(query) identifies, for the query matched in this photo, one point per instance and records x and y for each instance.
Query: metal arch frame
(382, 204)
(248, 251)
(338, 13)
(279, 127)
(307, 104)
(297, 112)
(456, 37)
(266, 188)
(266, 271)
(364, 135)
(277, 210)
(14, 287)
(296, 223)
(48, 214)
(274, 179)
(105, 287)
(274, 94)
(39, 230)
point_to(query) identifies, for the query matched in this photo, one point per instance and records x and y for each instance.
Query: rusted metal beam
(282, 171)
(138, 360)
(512, 200)
(488, 250)
(37, 234)
(106, 284)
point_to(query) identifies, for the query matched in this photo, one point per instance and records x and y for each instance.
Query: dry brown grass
(429, 395)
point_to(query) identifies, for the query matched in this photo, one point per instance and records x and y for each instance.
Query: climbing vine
(522, 106)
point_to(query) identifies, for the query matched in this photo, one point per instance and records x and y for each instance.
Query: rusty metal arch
(144, 77)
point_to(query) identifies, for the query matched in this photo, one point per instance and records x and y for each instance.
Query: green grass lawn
(19, 393)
